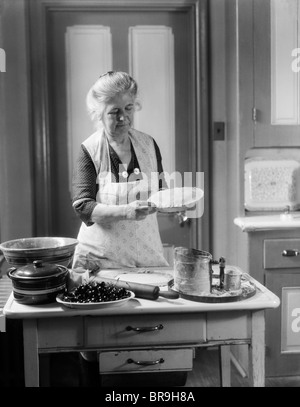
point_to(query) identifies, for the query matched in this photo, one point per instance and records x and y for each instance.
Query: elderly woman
(117, 169)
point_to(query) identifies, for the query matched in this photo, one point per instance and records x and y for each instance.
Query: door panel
(65, 221)
(266, 134)
(280, 325)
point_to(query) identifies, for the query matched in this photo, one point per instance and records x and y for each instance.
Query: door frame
(38, 15)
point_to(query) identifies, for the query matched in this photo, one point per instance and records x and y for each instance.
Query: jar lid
(37, 269)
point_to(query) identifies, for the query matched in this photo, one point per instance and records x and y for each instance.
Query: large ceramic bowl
(55, 250)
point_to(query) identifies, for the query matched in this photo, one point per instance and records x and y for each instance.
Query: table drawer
(281, 253)
(219, 325)
(148, 360)
(60, 332)
(144, 330)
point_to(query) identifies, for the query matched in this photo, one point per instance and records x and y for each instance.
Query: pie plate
(93, 305)
(176, 199)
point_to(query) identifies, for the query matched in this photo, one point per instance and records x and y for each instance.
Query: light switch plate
(219, 131)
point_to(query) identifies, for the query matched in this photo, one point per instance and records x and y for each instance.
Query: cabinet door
(276, 85)
(283, 324)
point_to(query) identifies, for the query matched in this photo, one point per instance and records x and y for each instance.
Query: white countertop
(268, 222)
(261, 300)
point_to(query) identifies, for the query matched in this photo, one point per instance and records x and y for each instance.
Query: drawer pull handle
(146, 362)
(145, 328)
(290, 253)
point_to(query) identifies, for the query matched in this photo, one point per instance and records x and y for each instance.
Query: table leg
(225, 368)
(44, 368)
(257, 349)
(31, 355)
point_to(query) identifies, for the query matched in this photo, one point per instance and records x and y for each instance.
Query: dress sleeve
(84, 186)
(162, 181)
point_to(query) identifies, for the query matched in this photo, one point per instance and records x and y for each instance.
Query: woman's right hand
(138, 210)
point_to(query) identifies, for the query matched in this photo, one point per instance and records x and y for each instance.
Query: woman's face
(118, 115)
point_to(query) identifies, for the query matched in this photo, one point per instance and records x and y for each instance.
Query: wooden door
(276, 85)
(57, 216)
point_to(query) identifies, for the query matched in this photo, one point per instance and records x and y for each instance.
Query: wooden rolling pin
(147, 291)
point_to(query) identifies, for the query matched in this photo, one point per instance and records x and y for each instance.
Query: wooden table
(143, 335)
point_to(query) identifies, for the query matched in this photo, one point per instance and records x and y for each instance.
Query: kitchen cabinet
(276, 37)
(274, 260)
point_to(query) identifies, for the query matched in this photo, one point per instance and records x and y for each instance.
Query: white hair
(107, 86)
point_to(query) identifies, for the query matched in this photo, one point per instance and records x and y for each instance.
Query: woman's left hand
(138, 210)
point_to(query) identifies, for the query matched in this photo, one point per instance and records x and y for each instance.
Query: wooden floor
(206, 374)
(65, 371)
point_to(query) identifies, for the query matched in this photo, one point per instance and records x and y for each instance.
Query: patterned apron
(123, 243)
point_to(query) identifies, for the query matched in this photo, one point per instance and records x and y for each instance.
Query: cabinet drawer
(148, 360)
(144, 330)
(281, 253)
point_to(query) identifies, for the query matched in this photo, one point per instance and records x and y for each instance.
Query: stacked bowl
(39, 267)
